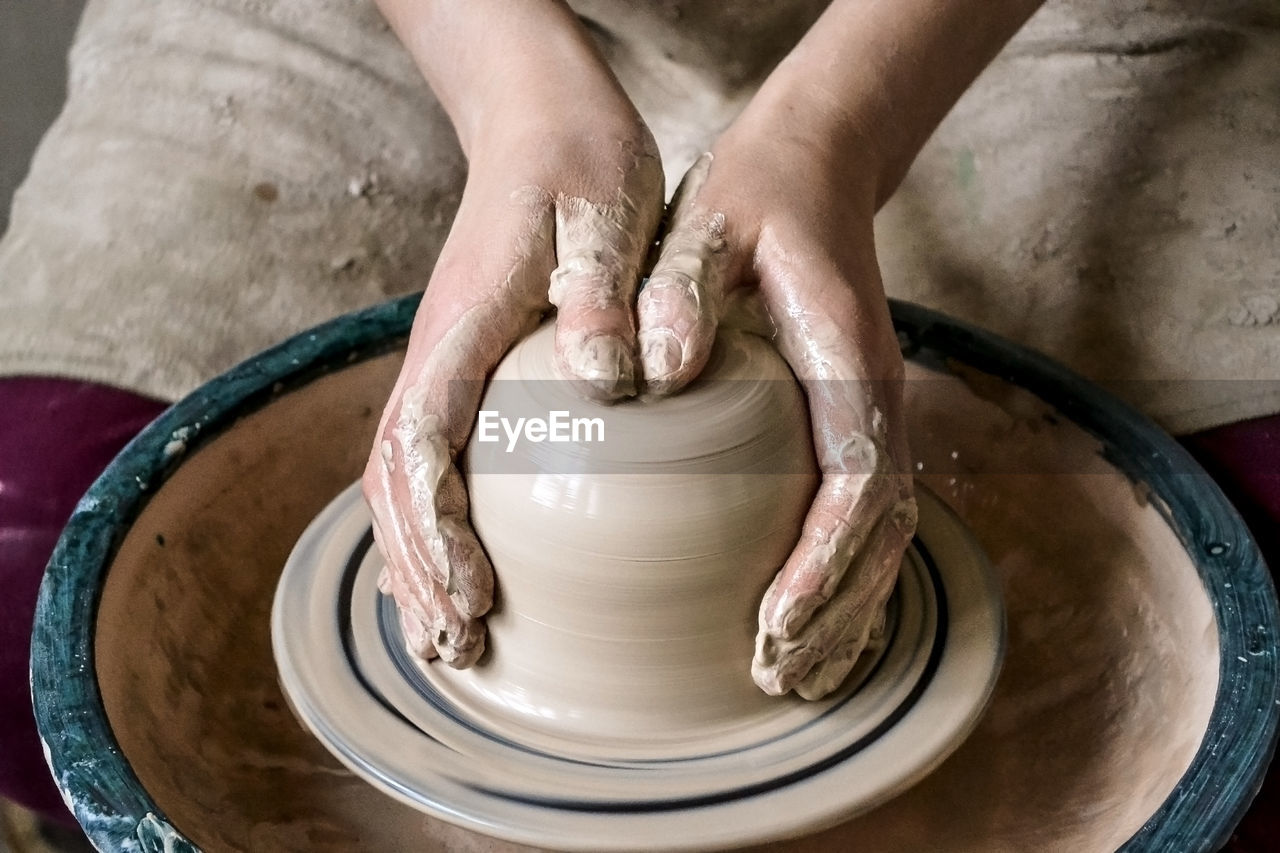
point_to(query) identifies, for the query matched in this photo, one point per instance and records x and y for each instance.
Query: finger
(437, 572)
(679, 306)
(415, 601)
(417, 638)
(431, 625)
(423, 520)
(831, 671)
(599, 249)
(390, 536)
(439, 533)
(413, 613)
(839, 524)
(780, 664)
(438, 630)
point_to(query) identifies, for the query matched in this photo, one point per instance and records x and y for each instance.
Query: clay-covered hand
(785, 207)
(779, 215)
(563, 197)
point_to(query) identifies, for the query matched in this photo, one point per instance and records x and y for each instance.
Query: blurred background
(34, 37)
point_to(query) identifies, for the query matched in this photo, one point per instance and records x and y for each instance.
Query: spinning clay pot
(631, 562)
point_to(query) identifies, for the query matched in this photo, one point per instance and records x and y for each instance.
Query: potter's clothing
(1244, 459)
(228, 172)
(56, 436)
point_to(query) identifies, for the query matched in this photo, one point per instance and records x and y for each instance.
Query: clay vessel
(632, 560)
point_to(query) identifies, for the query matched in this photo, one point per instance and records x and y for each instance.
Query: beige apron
(229, 172)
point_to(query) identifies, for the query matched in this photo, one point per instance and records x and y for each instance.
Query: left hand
(788, 214)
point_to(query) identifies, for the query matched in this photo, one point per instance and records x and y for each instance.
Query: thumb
(600, 249)
(681, 303)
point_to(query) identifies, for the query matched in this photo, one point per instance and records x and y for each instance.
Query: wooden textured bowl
(1137, 707)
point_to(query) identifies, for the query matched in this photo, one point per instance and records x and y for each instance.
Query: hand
(788, 217)
(784, 207)
(563, 197)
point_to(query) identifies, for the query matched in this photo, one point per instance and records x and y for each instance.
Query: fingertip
(767, 680)
(826, 676)
(601, 365)
(787, 671)
(905, 515)
(764, 670)
(808, 692)
(778, 665)
(833, 670)
(677, 332)
(763, 661)
(462, 646)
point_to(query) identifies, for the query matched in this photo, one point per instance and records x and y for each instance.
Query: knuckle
(671, 288)
(676, 302)
(689, 264)
(588, 274)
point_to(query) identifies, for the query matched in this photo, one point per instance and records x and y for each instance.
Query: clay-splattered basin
(1137, 707)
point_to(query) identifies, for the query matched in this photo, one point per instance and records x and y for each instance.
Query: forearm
(492, 62)
(877, 76)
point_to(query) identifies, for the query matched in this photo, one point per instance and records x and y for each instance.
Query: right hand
(562, 201)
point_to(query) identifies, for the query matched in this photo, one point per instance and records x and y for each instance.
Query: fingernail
(605, 364)
(660, 354)
(764, 672)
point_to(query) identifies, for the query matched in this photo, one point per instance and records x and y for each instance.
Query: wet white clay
(630, 563)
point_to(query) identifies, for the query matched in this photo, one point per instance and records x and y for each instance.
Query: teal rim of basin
(117, 813)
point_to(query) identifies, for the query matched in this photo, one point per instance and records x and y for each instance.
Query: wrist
(499, 67)
(797, 131)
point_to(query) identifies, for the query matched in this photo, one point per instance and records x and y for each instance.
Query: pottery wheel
(409, 729)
